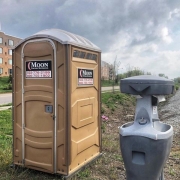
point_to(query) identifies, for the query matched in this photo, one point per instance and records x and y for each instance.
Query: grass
(84, 174)
(4, 85)
(111, 100)
(5, 139)
(7, 173)
(173, 169)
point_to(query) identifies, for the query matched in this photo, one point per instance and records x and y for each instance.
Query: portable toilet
(56, 102)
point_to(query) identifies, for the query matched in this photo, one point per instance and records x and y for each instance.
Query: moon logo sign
(80, 72)
(29, 66)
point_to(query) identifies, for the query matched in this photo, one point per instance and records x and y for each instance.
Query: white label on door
(38, 74)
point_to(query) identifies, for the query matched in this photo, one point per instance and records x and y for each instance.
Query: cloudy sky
(142, 34)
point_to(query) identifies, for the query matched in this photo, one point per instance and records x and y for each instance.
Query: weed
(171, 171)
(102, 110)
(118, 157)
(112, 108)
(103, 127)
(109, 144)
(112, 99)
(84, 174)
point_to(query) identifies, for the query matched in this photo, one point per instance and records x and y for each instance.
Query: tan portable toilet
(56, 102)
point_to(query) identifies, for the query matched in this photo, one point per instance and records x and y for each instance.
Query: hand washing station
(146, 142)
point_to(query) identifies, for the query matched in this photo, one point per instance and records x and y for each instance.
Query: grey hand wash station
(146, 142)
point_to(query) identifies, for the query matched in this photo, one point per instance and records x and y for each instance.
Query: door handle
(53, 117)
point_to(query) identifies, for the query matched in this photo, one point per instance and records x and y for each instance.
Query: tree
(163, 75)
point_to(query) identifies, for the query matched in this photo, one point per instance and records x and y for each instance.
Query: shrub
(8, 87)
(176, 87)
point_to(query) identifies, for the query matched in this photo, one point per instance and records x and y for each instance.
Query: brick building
(105, 67)
(6, 44)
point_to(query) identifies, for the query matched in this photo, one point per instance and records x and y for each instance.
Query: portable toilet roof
(64, 37)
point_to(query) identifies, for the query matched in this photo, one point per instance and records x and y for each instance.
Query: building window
(10, 61)
(1, 70)
(10, 71)
(10, 42)
(1, 60)
(1, 50)
(10, 52)
(1, 41)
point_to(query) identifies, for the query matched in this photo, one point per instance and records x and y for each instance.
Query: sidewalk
(109, 88)
(5, 107)
(5, 98)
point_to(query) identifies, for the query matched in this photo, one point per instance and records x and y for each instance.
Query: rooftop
(64, 37)
(10, 35)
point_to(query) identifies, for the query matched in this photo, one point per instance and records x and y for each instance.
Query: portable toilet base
(56, 102)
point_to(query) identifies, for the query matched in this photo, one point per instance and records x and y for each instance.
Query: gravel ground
(170, 114)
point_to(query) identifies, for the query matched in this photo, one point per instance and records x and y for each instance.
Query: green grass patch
(85, 174)
(112, 99)
(106, 83)
(5, 138)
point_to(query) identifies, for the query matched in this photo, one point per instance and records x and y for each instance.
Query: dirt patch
(110, 166)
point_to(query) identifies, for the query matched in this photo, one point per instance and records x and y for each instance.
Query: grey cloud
(97, 20)
(148, 38)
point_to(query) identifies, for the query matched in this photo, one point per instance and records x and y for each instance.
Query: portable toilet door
(37, 74)
(54, 103)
